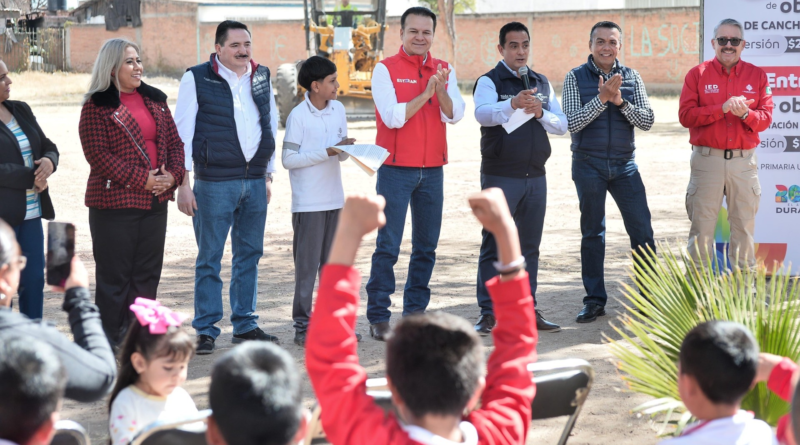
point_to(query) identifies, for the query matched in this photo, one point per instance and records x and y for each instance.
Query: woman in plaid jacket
(136, 157)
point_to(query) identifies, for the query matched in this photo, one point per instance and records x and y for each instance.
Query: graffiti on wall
(667, 39)
(279, 42)
(667, 42)
(662, 50)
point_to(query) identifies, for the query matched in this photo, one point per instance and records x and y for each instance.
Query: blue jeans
(593, 178)
(238, 206)
(30, 237)
(527, 201)
(423, 189)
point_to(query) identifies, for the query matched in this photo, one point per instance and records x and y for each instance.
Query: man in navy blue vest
(514, 161)
(227, 118)
(604, 101)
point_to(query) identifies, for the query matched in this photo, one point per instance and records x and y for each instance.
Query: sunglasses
(722, 41)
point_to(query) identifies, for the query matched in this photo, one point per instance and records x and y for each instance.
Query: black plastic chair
(181, 432)
(69, 432)
(562, 387)
(561, 390)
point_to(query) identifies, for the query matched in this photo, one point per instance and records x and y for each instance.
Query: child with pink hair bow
(153, 362)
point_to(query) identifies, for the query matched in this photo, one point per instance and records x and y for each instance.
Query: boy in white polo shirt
(718, 364)
(315, 125)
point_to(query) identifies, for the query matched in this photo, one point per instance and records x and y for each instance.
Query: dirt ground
(662, 156)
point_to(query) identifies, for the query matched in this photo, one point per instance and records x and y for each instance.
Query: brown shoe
(485, 324)
(544, 325)
(379, 331)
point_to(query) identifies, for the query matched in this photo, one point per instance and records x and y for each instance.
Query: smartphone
(60, 250)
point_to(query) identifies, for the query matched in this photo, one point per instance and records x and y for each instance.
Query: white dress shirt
(740, 429)
(393, 114)
(418, 434)
(489, 112)
(315, 177)
(245, 113)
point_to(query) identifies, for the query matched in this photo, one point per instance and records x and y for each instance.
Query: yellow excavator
(351, 35)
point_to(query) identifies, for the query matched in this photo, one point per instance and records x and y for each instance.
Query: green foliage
(679, 295)
(461, 6)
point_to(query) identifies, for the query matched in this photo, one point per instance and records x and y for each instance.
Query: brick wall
(84, 41)
(661, 43)
(167, 38)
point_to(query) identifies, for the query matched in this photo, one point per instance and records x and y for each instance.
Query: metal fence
(40, 50)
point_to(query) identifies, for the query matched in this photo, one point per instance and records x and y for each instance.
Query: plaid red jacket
(119, 169)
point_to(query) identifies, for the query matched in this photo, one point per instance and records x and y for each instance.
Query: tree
(25, 6)
(447, 19)
(22, 5)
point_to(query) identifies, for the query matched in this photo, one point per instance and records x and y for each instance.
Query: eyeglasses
(722, 41)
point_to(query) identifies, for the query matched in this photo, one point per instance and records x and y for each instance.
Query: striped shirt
(34, 210)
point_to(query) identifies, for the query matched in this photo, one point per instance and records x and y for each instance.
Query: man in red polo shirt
(415, 97)
(725, 103)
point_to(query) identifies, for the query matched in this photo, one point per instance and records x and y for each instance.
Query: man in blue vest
(227, 119)
(604, 101)
(514, 162)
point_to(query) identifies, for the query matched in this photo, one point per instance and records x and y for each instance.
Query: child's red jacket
(350, 417)
(780, 382)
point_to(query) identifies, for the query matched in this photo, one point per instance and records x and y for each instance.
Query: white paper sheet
(517, 120)
(369, 157)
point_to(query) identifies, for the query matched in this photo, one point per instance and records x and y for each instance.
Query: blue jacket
(216, 151)
(523, 152)
(610, 135)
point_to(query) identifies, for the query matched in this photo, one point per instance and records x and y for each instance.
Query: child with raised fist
(434, 364)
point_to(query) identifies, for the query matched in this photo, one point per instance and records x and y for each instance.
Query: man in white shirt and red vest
(415, 95)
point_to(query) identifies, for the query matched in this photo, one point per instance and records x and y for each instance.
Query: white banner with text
(772, 42)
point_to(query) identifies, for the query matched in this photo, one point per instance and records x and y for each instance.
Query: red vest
(422, 141)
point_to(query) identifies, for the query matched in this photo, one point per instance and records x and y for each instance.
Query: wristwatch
(269, 176)
(746, 113)
(510, 268)
(625, 104)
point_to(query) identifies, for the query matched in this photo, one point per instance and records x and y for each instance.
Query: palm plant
(678, 295)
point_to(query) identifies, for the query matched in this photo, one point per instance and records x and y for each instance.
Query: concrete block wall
(663, 44)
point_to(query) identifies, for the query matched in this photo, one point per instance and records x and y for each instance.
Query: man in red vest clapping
(415, 95)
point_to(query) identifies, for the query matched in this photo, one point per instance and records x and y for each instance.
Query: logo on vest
(542, 98)
(749, 89)
(340, 131)
(211, 80)
(406, 80)
(711, 89)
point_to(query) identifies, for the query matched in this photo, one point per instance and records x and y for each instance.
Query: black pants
(128, 246)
